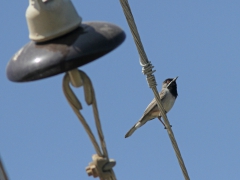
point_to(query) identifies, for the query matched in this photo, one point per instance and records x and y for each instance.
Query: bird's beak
(172, 81)
(175, 79)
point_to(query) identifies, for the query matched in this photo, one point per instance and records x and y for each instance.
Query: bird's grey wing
(153, 103)
(145, 117)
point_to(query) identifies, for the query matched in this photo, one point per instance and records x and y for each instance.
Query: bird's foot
(165, 127)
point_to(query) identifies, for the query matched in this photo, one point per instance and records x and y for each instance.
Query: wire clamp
(100, 167)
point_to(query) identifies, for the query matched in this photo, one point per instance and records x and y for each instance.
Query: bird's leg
(159, 117)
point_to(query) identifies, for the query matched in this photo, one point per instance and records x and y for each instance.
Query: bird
(168, 95)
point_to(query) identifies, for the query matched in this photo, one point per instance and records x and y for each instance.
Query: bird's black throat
(173, 89)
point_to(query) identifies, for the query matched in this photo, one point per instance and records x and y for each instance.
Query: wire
(3, 174)
(101, 165)
(147, 70)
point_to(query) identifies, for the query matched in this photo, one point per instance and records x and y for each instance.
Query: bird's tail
(130, 132)
(134, 128)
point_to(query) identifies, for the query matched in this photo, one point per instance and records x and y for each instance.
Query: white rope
(101, 165)
(147, 70)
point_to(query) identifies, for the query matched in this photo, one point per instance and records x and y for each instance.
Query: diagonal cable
(3, 174)
(147, 69)
(84, 80)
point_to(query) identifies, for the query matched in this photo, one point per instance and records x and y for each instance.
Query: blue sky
(199, 41)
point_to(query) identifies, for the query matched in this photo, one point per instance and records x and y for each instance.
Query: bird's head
(170, 83)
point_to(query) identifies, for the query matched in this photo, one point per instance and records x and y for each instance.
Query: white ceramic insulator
(48, 19)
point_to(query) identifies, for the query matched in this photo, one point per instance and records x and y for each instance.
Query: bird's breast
(168, 101)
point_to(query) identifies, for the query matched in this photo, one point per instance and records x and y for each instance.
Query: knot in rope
(147, 69)
(100, 167)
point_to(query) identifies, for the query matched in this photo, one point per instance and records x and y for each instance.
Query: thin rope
(3, 174)
(147, 69)
(85, 81)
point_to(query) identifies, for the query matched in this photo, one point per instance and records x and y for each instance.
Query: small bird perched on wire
(168, 96)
